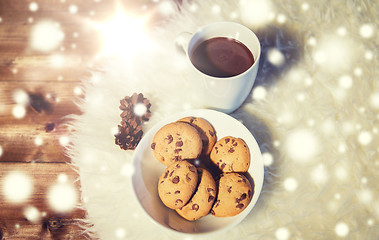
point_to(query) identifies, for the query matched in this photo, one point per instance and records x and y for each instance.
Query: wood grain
(44, 176)
(31, 144)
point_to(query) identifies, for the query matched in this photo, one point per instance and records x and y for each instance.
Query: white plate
(147, 171)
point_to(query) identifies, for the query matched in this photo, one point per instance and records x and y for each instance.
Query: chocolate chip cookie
(234, 195)
(203, 199)
(231, 154)
(175, 142)
(177, 184)
(206, 130)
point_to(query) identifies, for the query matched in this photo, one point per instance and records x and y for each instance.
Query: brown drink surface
(222, 57)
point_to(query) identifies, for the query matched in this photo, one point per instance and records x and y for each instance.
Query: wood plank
(23, 144)
(56, 92)
(36, 137)
(13, 221)
(21, 230)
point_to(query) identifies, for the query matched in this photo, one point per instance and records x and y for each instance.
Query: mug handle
(181, 42)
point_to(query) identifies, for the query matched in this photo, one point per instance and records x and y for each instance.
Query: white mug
(224, 94)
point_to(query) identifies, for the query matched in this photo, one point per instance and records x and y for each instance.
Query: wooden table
(33, 133)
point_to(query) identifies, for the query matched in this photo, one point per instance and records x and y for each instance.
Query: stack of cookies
(203, 175)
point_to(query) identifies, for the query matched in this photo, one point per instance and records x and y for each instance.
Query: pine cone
(130, 131)
(128, 107)
(128, 136)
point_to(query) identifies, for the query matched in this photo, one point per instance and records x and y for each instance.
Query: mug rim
(200, 30)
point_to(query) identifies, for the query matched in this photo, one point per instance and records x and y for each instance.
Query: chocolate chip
(171, 173)
(240, 206)
(153, 145)
(188, 178)
(211, 133)
(192, 119)
(217, 203)
(178, 165)
(165, 174)
(223, 166)
(177, 192)
(192, 169)
(231, 150)
(227, 140)
(178, 201)
(178, 158)
(235, 144)
(243, 196)
(178, 150)
(170, 139)
(195, 207)
(176, 180)
(211, 198)
(212, 212)
(230, 189)
(179, 143)
(210, 190)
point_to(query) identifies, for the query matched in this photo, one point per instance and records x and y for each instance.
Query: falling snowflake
(319, 175)
(20, 97)
(366, 30)
(46, 36)
(259, 93)
(38, 141)
(334, 53)
(256, 12)
(341, 229)
(64, 141)
(62, 178)
(17, 187)
(341, 173)
(342, 31)
(166, 8)
(19, 111)
(345, 81)
(120, 233)
(364, 138)
(33, 6)
(267, 159)
(62, 197)
(281, 18)
(374, 100)
(302, 145)
(127, 170)
(275, 57)
(73, 9)
(365, 196)
(290, 184)
(282, 233)
(32, 214)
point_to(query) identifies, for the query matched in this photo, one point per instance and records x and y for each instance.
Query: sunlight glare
(123, 35)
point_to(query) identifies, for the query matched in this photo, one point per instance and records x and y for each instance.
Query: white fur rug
(314, 111)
